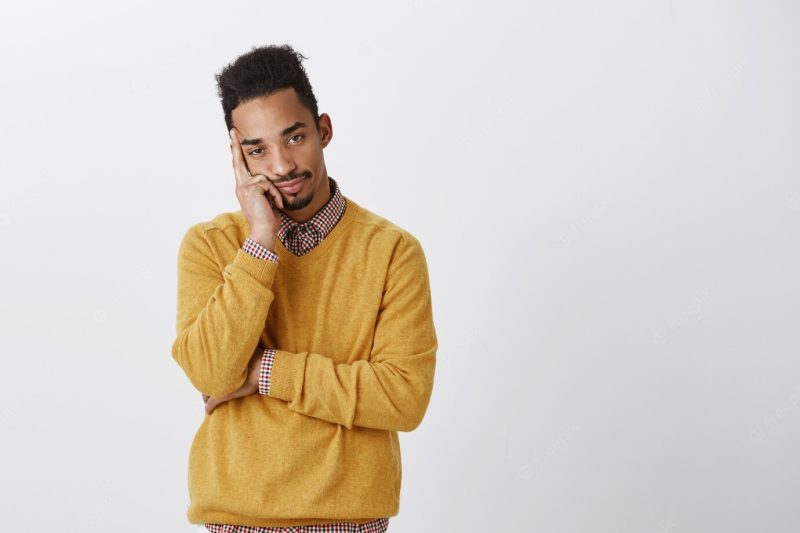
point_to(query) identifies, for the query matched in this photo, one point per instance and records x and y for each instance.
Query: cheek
(310, 153)
(257, 167)
(315, 162)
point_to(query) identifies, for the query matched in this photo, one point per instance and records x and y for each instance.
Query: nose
(282, 163)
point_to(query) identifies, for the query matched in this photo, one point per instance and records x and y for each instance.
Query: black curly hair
(260, 72)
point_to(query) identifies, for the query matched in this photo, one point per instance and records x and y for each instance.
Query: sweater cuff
(261, 269)
(286, 377)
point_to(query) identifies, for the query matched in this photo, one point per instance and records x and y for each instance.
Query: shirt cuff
(258, 250)
(266, 370)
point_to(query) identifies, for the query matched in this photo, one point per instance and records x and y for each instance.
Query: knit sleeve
(391, 389)
(221, 311)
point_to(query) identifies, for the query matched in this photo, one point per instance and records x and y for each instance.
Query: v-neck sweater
(351, 323)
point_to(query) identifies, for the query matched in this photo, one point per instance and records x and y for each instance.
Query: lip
(291, 187)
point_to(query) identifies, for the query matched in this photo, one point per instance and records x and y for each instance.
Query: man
(306, 322)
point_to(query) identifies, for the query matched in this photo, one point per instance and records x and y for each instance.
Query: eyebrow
(286, 131)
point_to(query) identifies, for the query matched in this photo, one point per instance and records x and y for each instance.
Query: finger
(276, 194)
(239, 167)
(256, 178)
(272, 192)
(260, 181)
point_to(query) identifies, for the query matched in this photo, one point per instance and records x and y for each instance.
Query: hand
(250, 386)
(257, 195)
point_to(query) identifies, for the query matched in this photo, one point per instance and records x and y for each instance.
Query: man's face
(279, 140)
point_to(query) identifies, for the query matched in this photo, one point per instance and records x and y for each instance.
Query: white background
(607, 194)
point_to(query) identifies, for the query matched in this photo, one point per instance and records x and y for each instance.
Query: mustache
(292, 177)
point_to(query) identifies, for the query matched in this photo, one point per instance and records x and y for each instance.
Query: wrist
(254, 371)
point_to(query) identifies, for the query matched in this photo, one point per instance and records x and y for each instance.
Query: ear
(325, 129)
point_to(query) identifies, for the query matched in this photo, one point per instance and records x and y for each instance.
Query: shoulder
(227, 227)
(395, 248)
(379, 228)
(226, 221)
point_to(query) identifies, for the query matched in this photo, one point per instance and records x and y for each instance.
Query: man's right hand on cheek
(258, 197)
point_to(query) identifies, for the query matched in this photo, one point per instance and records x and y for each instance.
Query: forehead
(268, 115)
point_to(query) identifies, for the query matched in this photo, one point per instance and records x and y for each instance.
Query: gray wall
(608, 198)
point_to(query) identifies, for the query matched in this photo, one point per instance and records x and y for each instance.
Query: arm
(220, 315)
(391, 390)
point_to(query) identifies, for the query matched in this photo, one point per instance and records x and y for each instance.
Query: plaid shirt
(300, 238)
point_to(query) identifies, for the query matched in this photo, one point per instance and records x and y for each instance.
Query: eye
(253, 151)
(300, 135)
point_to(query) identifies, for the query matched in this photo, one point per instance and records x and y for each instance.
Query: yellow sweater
(356, 348)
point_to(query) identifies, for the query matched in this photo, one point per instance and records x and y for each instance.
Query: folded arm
(221, 314)
(391, 389)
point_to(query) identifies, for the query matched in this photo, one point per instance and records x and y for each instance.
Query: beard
(298, 202)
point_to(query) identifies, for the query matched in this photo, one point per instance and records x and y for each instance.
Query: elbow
(413, 416)
(219, 386)
(411, 421)
(419, 396)
(409, 424)
(212, 382)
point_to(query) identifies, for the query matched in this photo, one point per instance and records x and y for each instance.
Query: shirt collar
(324, 219)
